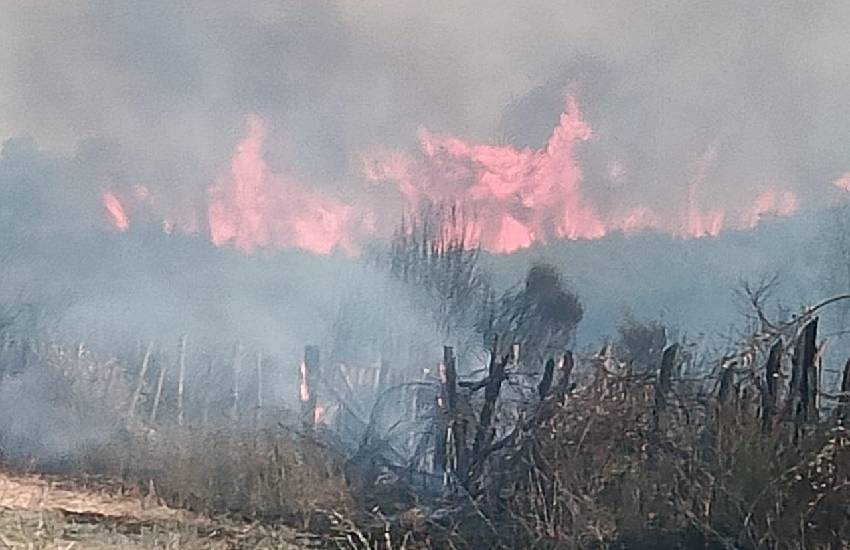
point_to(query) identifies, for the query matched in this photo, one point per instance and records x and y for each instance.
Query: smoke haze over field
(266, 125)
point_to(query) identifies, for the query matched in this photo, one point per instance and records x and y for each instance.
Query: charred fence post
(801, 404)
(564, 382)
(495, 376)
(664, 383)
(546, 380)
(422, 461)
(309, 372)
(812, 374)
(456, 415)
(605, 370)
(441, 442)
(771, 382)
(725, 392)
(817, 379)
(546, 409)
(843, 410)
(446, 403)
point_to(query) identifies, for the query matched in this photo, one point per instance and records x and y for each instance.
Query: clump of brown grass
(271, 474)
(600, 473)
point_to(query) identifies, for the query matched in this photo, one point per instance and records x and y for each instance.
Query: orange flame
(253, 208)
(521, 191)
(519, 197)
(117, 215)
(701, 223)
(319, 414)
(530, 196)
(782, 204)
(441, 371)
(303, 386)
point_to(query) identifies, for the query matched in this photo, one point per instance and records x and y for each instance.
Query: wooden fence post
(441, 454)
(803, 389)
(495, 377)
(664, 382)
(158, 396)
(565, 384)
(383, 379)
(546, 380)
(457, 419)
(237, 368)
(771, 382)
(484, 432)
(145, 362)
(181, 375)
(205, 407)
(844, 398)
(259, 388)
(309, 372)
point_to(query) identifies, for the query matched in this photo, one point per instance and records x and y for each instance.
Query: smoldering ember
(397, 275)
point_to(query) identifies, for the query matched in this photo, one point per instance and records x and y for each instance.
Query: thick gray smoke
(156, 93)
(102, 95)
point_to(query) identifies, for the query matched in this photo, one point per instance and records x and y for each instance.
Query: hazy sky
(158, 92)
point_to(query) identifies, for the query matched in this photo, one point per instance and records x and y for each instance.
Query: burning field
(518, 197)
(387, 275)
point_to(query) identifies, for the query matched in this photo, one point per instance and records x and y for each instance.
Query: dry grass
(270, 474)
(36, 512)
(60, 530)
(32, 492)
(600, 473)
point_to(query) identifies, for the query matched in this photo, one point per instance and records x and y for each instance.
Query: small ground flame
(117, 215)
(319, 414)
(303, 386)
